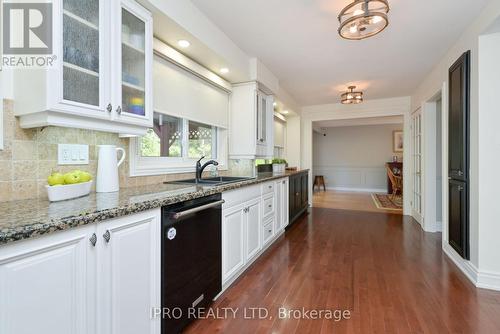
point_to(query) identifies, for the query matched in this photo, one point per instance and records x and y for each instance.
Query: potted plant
(279, 165)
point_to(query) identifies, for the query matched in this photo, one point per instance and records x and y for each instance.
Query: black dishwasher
(191, 271)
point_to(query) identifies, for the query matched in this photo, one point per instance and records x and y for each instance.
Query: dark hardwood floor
(383, 268)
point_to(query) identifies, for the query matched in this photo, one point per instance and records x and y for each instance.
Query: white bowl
(68, 191)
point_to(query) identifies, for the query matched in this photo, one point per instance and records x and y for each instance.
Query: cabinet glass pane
(264, 119)
(80, 87)
(133, 64)
(81, 51)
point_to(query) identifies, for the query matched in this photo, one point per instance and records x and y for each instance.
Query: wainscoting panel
(353, 178)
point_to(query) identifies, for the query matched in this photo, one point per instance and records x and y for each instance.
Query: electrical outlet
(72, 154)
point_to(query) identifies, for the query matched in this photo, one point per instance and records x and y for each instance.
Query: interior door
(416, 136)
(458, 155)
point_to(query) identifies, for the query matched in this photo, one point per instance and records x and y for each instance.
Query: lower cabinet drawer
(268, 206)
(268, 231)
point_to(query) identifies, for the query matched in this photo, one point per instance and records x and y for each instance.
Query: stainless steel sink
(214, 181)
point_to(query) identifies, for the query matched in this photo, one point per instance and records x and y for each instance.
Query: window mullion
(185, 139)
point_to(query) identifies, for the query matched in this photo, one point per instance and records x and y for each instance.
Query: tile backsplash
(30, 155)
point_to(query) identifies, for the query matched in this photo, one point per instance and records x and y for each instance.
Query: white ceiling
(318, 126)
(298, 41)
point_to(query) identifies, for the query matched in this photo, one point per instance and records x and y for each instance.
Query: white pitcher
(107, 168)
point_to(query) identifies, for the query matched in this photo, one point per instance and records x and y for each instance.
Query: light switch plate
(72, 154)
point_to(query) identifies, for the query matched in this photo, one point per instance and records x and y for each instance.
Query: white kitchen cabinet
(101, 79)
(47, 285)
(249, 225)
(252, 222)
(281, 194)
(129, 273)
(75, 282)
(251, 122)
(233, 233)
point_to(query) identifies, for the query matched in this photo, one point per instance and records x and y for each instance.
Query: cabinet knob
(270, 187)
(269, 206)
(119, 110)
(109, 108)
(261, 140)
(93, 239)
(460, 188)
(297, 194)
(460, 173)
(107, 236)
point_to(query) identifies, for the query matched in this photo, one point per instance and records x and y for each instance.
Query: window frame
(148, 166)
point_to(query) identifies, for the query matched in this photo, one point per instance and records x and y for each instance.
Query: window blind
(178, 92)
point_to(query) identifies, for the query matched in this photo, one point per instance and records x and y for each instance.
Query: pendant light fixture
(351, 97)
(363, 18)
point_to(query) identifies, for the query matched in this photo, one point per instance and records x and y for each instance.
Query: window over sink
(174, 145)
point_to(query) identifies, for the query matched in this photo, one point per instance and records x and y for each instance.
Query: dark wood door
(458, 155)
(458, 213)
(458, 131)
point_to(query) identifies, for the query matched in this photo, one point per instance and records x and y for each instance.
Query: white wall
(293, 142)
(354, 157)
(489, 154)
(483, 206)
(369, 108)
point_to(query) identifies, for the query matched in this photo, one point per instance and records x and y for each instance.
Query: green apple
(72, 178)
(85, 176)
(55, 179)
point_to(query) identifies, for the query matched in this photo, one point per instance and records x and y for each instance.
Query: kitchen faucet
(200, 168)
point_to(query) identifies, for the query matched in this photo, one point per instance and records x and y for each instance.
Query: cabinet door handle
(119, 110)
(93, 239)
(109, 108)
(107, 236)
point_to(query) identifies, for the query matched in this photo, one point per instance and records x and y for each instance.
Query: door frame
(429, 197)
(400, 106)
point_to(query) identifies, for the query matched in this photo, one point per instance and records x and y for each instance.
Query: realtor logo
(27, 35)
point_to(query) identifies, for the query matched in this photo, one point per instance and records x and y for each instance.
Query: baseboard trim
(362, 190)
(480, 279)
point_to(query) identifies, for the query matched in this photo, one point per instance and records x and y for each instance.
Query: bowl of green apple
(70, 185)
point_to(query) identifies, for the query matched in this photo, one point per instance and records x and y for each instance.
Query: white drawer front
(267, 188)
(268, 231)
(268, 206)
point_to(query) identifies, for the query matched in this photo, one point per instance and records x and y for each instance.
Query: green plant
(279, 161)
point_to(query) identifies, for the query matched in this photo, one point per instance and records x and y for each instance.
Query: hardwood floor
(390, 275)
(347, 200)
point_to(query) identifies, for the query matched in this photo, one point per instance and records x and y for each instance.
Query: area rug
(383, 201)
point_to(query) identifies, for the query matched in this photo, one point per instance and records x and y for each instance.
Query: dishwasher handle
(181, 214)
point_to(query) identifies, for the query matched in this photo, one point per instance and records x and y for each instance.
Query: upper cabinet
(101, 82)
(251, 122)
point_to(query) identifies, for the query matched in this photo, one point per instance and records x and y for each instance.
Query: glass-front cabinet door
(84, 83)
(133, 98)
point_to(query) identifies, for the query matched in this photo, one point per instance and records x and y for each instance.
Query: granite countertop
(31, 218)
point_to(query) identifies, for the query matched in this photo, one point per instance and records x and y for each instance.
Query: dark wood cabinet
(298, 195)
(458, 155)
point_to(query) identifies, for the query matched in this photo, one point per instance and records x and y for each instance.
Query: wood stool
(319, 181)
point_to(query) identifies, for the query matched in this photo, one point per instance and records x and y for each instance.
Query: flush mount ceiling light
(224, 70)
(351, 97)
(183, 43)
(363, 18)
